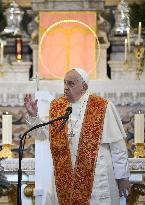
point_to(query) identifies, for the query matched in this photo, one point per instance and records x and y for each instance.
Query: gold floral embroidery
(75, 188)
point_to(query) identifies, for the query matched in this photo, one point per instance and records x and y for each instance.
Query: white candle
(2, 44)
(7, 129)
(139, 128)
(1, 52)
(139, 33)
(128, 39)
(125, 55)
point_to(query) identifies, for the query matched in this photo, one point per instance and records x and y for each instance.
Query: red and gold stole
(75, 187)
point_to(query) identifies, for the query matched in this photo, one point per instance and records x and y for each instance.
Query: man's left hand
(124, 187)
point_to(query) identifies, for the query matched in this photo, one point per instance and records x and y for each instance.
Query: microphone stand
(21, 148)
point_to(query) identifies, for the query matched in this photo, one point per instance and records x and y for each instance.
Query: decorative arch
(65, 43)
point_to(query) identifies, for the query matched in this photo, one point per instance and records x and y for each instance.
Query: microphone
(68, 112)
(66, 117)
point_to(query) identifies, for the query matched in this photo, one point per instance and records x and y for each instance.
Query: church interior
(40, 40)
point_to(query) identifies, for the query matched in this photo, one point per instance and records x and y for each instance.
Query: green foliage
(137, 14)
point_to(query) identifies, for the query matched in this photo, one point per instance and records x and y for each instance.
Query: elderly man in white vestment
(89, 155)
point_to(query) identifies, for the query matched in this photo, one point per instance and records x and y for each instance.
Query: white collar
(81, 100)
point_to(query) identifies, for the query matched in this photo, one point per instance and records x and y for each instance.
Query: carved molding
(38, 5)
(11, 165)
(119, 92)
(28, 164)
(137, 164)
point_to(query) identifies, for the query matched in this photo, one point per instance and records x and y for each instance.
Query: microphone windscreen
(69, 109)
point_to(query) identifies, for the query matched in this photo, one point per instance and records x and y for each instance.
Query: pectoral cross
(70, 136)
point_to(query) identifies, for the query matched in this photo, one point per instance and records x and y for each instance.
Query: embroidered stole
(75, 187)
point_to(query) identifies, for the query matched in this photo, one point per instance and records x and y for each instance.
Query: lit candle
(125, 50)
(139, 33)
(128, 39)
(139, 128)
(7, 129)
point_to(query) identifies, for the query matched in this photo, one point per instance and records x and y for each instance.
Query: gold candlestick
(138, 49)
(140, 55)
(6, 151)
(139, 150)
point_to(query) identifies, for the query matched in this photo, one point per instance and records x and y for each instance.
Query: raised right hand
(30, 105)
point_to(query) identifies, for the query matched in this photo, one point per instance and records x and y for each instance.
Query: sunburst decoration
(70, 21)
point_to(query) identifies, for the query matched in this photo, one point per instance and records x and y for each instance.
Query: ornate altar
(136, 166)
(28, 181)
(137, 169)
(122, 90)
